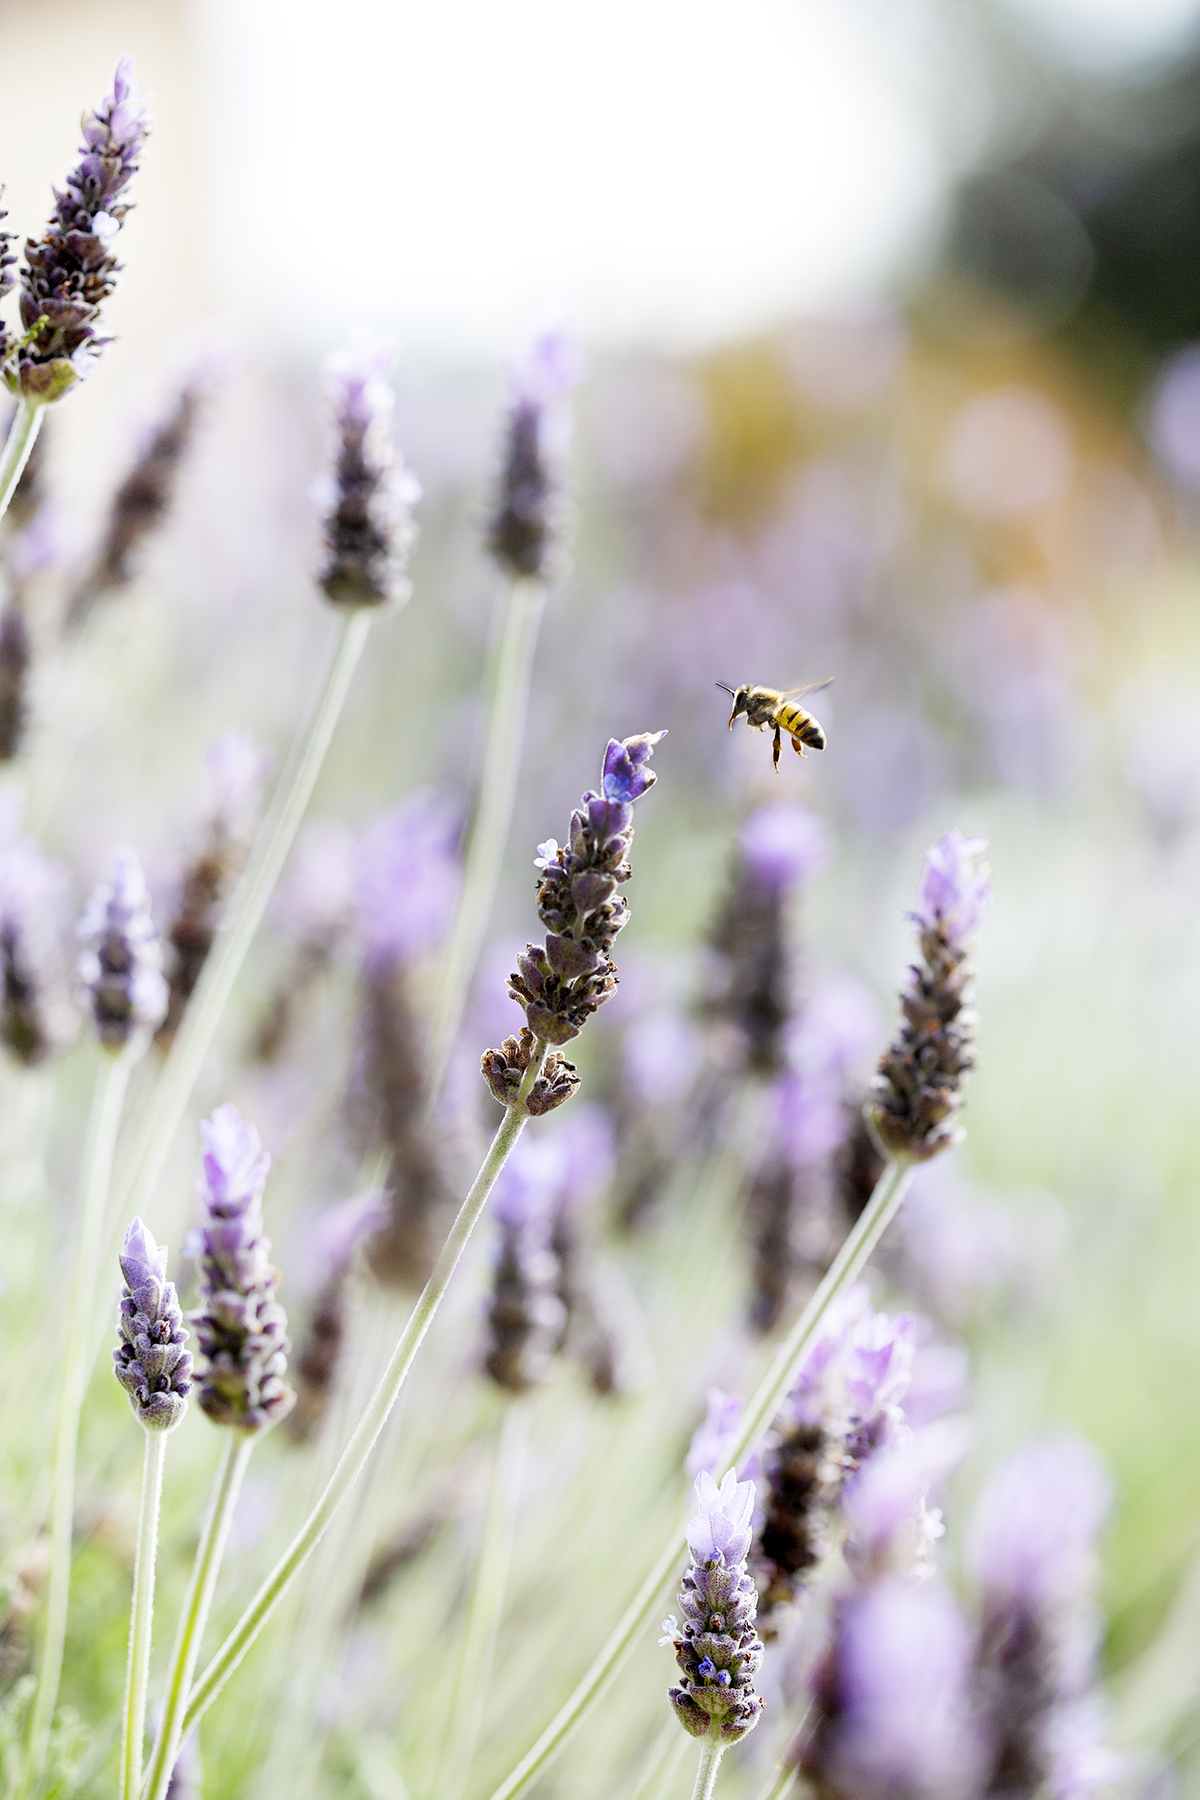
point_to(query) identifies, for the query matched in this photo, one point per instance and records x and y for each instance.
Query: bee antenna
(721, 684)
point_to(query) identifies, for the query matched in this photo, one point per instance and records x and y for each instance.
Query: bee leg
(797, 746)
(778, 748)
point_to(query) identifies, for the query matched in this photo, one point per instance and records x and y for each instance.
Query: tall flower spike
(917, 1095)
(141, 501)
(150, 1361)
(562, 983)
(35, 1016)
(368, 493)
(717, 1646)
(240, 1326)
(529, 504)
(71, 270)
(120, 963)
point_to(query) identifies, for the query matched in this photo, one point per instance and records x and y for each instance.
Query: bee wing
(810, 687)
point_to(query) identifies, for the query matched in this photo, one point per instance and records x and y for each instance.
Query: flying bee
(768, 709)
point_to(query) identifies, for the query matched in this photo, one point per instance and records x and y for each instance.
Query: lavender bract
(120, 963)
(71, 270)
(368, 493)
(529, 505)
(717, 1647)
(240, 1326)
(151, 1362)
(561, 984)
(917, 1095)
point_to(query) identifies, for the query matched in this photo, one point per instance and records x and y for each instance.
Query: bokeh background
(892, 318)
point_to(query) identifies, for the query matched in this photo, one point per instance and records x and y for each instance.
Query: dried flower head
(120, 963)
(561, 984)
(917, 1095)
(529, 505)
(150, 1361)
(240, 1326)
(368, 494)
(717, 1646)
(71, 270)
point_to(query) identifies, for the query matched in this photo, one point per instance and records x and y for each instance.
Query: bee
(766, 708)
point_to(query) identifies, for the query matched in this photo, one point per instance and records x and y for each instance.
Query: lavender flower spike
(368, 491)
(120, 963)
(717, 1647)
(916, 1096)
(72, 270)
(529, 506)
(150, 1362)
(240, 1326)
(561, 984)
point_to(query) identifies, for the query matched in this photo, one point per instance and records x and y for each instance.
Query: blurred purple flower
(316, 896)
(711, 1438)
(529, 505)
(627, 774)
(35, 1015)
(902, 1711)
(955, 891)
(407, 878)
(120, 960)
(890, 1528)
(783, 843)
(529, 1185)
(367, 494)
(340, 1231)
(660, 1052)
(236, 767)
(1034, 1530)
(584, 1140)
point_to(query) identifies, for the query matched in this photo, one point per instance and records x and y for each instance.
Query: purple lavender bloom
(890, 1527)
(718, 1648)
(627, 774)
(711, 1438)
(240, 1326)
(35, 1016)
(72, 270)
(150, 1362)
(236, 767)
(783, 843)
(120, 963)
(562, 983)
(1032, 1550)
(407, 879)
(955, 892)
(917, 1094)
(529, 505)
(893, 1712)
(368, 494)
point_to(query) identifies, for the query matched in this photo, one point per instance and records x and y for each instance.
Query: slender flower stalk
(18, 447)
(293, 792)
(522, 539)
(197, 1604)
(119, 968)
(153, 1367)
(354, 1457)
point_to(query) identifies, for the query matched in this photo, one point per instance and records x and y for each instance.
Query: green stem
(141, 1617)
(872, 1222)
(197, 1602)
(362, 1442)
(711, 1752)
(22, 433)
(246, 908)
(486, 1606)
(782, 1778)
(108, 1094)
(508, 700)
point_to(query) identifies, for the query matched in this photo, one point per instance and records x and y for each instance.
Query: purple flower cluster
(35, 1017)
(917, 1095)
(240, 1326)
(150, 1361)
(120, 962)
(368, 494)
(717, 1647)
(528, 506)
(71, 270)
(407, 879)
(561, 983)
(526, 1315)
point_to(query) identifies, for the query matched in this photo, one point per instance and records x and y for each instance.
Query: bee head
(739, 701)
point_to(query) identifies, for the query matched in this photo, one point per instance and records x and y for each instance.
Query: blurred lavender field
(966, 489)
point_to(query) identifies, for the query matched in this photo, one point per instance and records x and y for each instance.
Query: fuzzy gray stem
(711, 1752)
(354, 1456)
(870, 1226)
(507, 704)
(141, 1617)
(22, 433)
(108, 1095)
